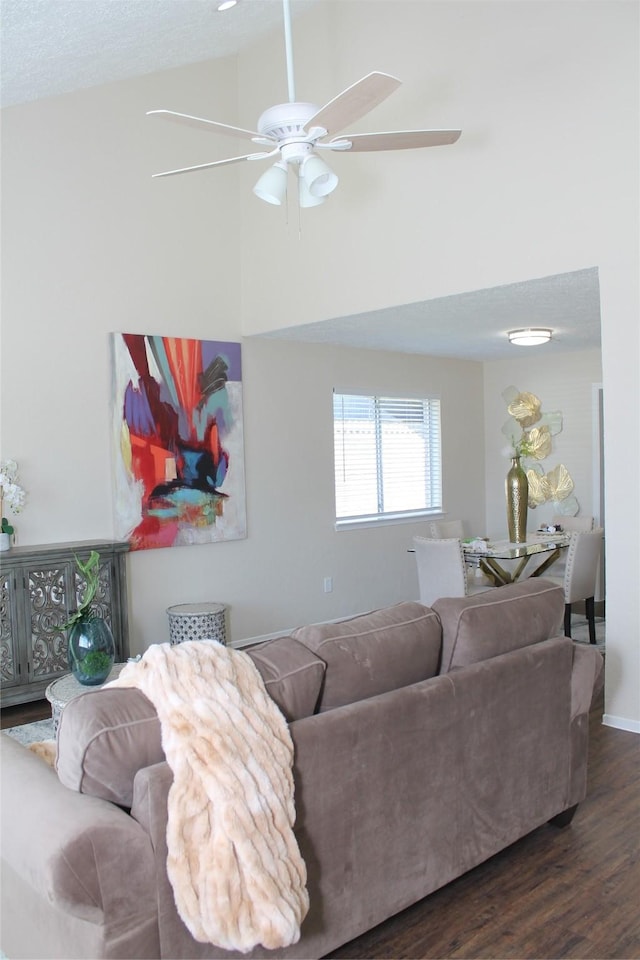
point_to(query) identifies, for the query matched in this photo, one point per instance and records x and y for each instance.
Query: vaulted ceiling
(51, 47)
(57, 46)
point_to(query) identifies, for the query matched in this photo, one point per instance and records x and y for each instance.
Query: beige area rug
(31, 732)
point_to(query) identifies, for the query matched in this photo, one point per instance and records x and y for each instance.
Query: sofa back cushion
(292, 675)
(498, 621)
(375, 652)
(105, 736)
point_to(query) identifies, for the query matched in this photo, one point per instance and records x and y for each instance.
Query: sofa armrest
(587, 678)
(82, 856)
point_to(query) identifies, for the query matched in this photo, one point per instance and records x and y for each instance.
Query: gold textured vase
(517, 492)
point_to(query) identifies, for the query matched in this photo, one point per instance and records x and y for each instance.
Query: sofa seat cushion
(374, 652)
(498, 621)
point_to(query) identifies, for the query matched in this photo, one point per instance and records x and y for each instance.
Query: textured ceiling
(49, 47)
(474, 325)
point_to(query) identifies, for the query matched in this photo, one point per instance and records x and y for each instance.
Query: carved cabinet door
(54, 593)
(47, 593)
(9, 646)
(40, 588)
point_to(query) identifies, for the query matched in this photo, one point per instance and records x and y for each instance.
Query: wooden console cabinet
(40, 586)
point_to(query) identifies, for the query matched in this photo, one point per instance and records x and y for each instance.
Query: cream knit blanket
(237, 874)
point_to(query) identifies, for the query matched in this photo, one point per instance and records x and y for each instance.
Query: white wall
(92, 245)
(543, 181)
(539, 183)
(273, 580)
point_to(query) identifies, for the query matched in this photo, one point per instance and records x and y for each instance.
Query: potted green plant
(91, 650)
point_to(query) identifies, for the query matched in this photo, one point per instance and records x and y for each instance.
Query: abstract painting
(178, 448)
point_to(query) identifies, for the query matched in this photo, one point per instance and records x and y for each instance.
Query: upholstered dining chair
(442, 571)
(582, 524)
(580, 576)
(445, 529)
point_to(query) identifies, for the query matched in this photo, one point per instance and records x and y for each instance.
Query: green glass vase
(91, 650)
(517, 493)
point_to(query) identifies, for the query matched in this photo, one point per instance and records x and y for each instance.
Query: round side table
(61, 691)
(197, 621)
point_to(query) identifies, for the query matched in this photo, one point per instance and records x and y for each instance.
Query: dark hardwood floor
(24, 713)
(570, 892)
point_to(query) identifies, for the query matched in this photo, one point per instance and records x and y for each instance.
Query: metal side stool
(197, 621)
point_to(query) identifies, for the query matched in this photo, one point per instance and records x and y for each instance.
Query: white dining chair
(442, 571)
(445, 529)
(581, 576)
(582, 524)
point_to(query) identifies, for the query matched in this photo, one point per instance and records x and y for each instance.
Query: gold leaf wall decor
(535, 443)
(525, 409)
(553, 421)
(539, 440)
(538, 488)
(560, 482)
(556, 485)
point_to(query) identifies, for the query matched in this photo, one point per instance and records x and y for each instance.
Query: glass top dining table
(487, 553)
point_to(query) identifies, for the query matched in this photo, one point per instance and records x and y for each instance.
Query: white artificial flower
(11, 493)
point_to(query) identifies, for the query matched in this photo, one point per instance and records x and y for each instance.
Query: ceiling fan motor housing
(286, 120)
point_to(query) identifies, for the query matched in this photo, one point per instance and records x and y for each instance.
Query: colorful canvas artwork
(178, 441)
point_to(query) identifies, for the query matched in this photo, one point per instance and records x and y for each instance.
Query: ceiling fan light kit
(530, 337)
(319, 178)
(305, 197)
(296, 130)
(272, 185)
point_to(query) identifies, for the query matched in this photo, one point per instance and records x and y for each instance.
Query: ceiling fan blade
(354, 102)
(394, 140)
(215, 163)
(198, 122)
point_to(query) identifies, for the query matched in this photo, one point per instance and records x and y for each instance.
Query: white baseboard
(251, 641)
(621, 723)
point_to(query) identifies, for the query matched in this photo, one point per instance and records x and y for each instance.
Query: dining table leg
(498, 575)
(546, 563)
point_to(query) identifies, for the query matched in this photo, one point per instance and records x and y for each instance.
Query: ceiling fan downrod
(288, 46)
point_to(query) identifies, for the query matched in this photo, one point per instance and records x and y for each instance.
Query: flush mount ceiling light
(530, 337)
(226, 5)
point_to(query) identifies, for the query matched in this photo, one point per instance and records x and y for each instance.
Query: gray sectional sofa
(426, 740)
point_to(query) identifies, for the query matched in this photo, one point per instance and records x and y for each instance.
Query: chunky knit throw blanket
(237, 874)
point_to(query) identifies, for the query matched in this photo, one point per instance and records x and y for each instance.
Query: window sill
(359, 523)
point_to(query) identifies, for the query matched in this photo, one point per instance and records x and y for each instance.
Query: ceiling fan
(297, 131)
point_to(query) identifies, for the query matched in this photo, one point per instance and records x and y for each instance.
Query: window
(388, 458)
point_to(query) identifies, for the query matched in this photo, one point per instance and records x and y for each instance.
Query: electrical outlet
(328, 584)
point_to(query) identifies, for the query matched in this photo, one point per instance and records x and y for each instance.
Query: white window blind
(388, 457)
